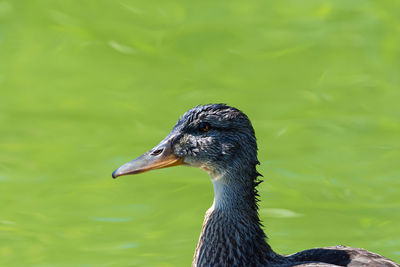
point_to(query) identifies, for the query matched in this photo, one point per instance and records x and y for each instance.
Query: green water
(86, 86)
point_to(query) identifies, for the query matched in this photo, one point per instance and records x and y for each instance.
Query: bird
(220, 140)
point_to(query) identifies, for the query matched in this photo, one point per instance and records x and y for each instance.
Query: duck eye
(204, 126)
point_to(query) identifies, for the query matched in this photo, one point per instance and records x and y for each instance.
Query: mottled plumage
(220, 140)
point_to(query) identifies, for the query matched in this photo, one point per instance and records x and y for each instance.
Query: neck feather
(231, 232)
(235, 191)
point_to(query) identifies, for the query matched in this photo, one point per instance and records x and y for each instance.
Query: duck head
(216, 138)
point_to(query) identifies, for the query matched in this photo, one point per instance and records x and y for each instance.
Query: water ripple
(112, 219)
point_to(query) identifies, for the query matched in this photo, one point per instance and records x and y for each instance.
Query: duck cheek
(210, 169)
(195, 162)
(190, 161)
(227, 149)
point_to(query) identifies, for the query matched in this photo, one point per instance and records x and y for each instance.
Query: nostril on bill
(157, 152)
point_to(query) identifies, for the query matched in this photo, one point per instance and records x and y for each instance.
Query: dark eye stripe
(204, 126)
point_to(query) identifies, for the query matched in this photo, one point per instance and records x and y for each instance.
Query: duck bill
(159, 157)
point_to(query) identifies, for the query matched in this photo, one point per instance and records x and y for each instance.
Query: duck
(220, 140)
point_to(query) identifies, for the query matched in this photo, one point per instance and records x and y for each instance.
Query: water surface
(88, 86)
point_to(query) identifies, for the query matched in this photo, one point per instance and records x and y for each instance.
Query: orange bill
(159, 157)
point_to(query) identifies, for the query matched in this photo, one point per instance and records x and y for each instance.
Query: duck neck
(232, 194)
(231, 232)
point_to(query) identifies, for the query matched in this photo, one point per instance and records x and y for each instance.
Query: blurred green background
(86, 86)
